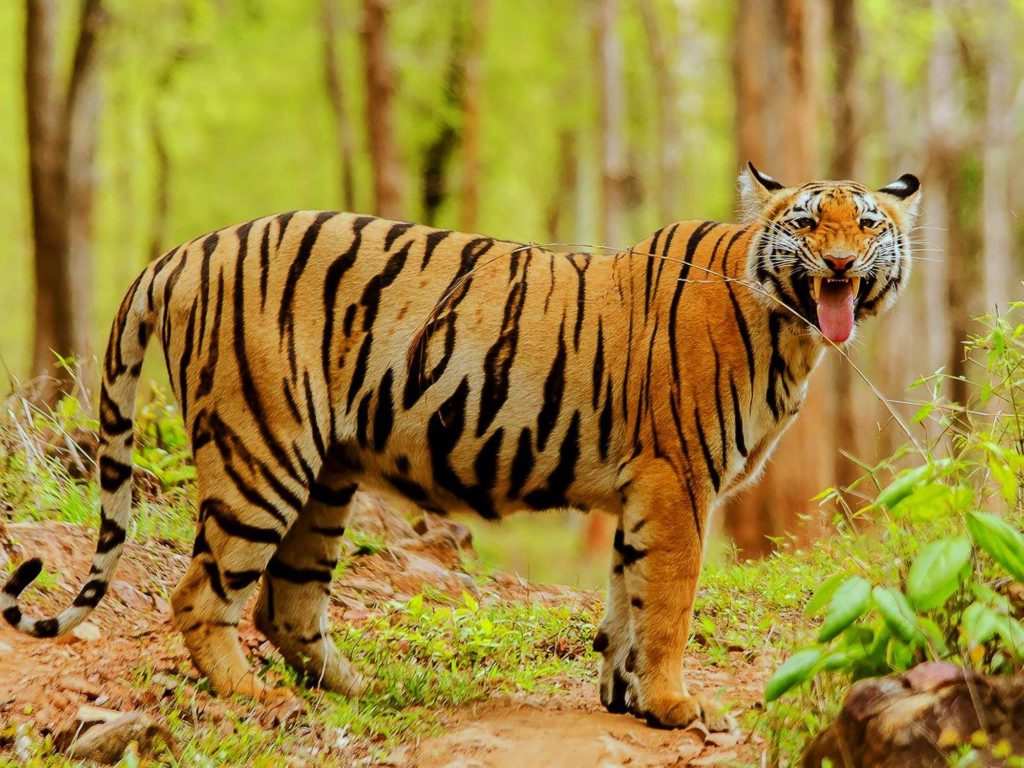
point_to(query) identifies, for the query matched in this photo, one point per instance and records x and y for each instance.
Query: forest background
(127, 126)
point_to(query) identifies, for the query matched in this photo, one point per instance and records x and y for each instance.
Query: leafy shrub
(959, 598)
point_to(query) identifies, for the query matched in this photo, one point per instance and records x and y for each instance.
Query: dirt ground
(43, 683)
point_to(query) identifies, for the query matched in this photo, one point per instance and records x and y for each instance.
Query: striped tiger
(314, 353)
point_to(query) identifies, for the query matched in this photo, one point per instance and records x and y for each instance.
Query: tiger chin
(317, 353)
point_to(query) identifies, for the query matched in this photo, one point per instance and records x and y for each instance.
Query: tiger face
(834, 252)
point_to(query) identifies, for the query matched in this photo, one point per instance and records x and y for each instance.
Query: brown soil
(43, 683)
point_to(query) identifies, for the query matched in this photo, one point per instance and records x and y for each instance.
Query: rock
(107, 741)
(87, 631)
(130, 596)
(80, 685)
(920, 718)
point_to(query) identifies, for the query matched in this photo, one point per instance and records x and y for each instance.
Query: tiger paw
(672, 711)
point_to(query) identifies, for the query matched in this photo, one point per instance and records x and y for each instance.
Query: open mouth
(836, 298)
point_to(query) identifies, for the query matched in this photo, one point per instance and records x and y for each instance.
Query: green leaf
(797, 669)
(1012, 633)
(848, 604)
(1006, 478)
(898, 615)
(906, 482)
(1000, 540)
(935, 573)
(823, 594)
(979, 623)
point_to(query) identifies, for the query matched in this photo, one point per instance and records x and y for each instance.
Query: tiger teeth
(816, 287)
(856, 286)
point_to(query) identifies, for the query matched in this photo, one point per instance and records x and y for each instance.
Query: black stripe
(664, 255)
(332, 281)
(706, 450)
(627, 552)
(285, 319)
(245, 378)
(209, 246)
(237, 580)
(370, 299)
(113, 474)
(432, 241)
(359, 373)
(231, 525)
(485, 466)
(384, 416)
(111, 536)
(554, 389)
(318, 440)
(500, 357)
(283, 220)
(332, 497)
(564, 473)
(581, 296)
(605, 422)
(720, 410)
(210, 366)
(696, 236)
(598, 365)
(328, 530)
(44, 627)
(186, 358)
(289, 398)
(112, 420)
(264, 265)
(213, 574)
(396, 231)
(281, 570)
(522, 463)
(650, 256)
(363, 420)
(23, 575)
(737, 418)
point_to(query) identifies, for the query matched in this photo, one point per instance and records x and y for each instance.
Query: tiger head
(834, 252)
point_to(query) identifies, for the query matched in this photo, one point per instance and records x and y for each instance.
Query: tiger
(315, 353)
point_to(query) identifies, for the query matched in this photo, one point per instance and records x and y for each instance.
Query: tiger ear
(755, 190)
(905, 194)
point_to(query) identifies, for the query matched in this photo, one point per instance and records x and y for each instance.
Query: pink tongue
(835, 310)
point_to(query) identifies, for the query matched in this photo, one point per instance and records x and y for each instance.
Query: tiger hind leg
(614, 640)
(295, 592)
(229, 557)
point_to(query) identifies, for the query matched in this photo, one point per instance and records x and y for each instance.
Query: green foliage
(934, 584)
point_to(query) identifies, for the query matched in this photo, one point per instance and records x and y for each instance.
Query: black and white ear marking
(905, 186)
(766, 181)
(756, 189)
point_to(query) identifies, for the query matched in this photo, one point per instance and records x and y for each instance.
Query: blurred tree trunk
(997, 258)
(333, 82)
(158, 140)
(438, 152)
(659, 45)
(380, 90)
(846, 135)
(611, 118)
(61, 128)
(564, 195)
(780, 504)
(472, 79)
(749, 55)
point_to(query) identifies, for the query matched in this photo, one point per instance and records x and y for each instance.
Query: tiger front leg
(659, 545)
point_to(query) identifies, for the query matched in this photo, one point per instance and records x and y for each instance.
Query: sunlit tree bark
(472, 92)
(61, 128)
(611, 118)
(380, 90)
(334, 84)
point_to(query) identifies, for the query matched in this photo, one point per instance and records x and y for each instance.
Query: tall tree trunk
(999, 275)
(61, 127)
(333, 82)
(564, 195)
(380, 90)
(472, 80)
(749, 55)
(780, 504)
(437, 154)
(846, 135)
(611, 119)
(659, 46)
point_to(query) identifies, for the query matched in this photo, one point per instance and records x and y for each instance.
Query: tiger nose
(840, 262)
